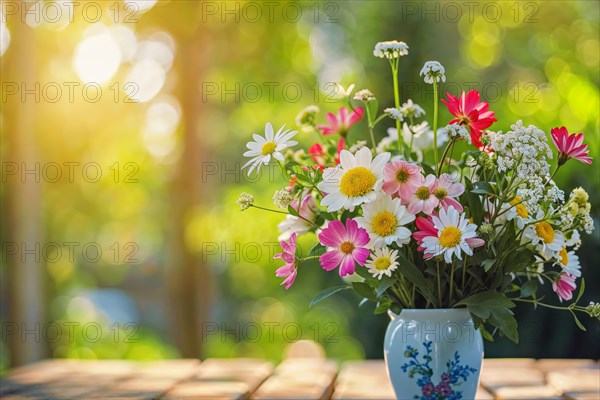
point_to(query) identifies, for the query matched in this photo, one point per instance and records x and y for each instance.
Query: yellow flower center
(357, 182)
(268, 148)
(402, 176)
(347, 247)
(450, 237)
(440, 193)
(520, 208)
(382, 263)
(384, 223)
(564, 257)
(423, 193)
(545, 231)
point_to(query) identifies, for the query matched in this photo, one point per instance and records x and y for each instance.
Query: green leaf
(581, 290)
(373, 107)
(382, 306)
(483, 188)
(317, 250)
(292, 211)
(384, 284)
(529, 288)
(493, 307)
(328, 292)
(415, 276)
(487, 264)
(578, 322)
(364, 290)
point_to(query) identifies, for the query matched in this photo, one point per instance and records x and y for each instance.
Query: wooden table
(294, 378)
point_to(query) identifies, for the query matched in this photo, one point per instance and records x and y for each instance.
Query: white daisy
(454, 233)
(355, 181)
(383, 261)
(516, 210)
(544, 237)
(263, 148)
(384, 221)
(569, 262)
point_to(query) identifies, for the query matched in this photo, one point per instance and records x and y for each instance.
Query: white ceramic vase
(433, 354)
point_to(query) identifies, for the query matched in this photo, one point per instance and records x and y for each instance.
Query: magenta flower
(426, 228)
(570, 146)
(564, 286)
(401, 177)
(290, 269)
(470, 111)
(423, 199)
(427, 389)
(346, 245)
(341, 122)
(447, 190)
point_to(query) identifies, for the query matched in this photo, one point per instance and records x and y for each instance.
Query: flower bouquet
(417, 226)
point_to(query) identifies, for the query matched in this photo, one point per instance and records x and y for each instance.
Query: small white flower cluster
(410, 109)
(458, 132)
(357, 146)
(433, 70)
(245, 201)
(524, 151)
(393, 113)
(282, 198)
(390, 49)
(364, 95)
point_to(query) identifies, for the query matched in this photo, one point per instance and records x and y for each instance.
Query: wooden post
(21, 197)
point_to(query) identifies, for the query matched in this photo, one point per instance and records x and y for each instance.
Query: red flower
(570, 146)
(470, 111)
(317, 154)
(341, 122)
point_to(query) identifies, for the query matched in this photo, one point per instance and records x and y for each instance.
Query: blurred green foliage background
(182, 271)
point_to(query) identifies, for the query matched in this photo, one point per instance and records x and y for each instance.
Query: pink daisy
(346, 245)
(447, 190)
(290, 269)
(341, 122)
(564, 286)
(422, 199)
(401, 177)
(570, 146)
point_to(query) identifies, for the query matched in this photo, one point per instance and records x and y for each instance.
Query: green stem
(437, 265)
(542, 304)
(450, 159)
(435, 118)
(394, 65)
(370, 126)
(439, 170)
(412, 136)
(286, 213)
(283, 170)
(451, 283)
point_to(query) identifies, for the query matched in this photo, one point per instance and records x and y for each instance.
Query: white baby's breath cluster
(282, 198)
(390, 49)
(458, 132)
(364, 95)
(357, 146)
(410, 109)
(393, 113)
(524, 151)
(245, 201)
(433, 70)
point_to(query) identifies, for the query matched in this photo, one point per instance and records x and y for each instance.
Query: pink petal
(331, 259)
(347, 267)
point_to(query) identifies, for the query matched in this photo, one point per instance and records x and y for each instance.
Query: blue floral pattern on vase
(450, 380)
